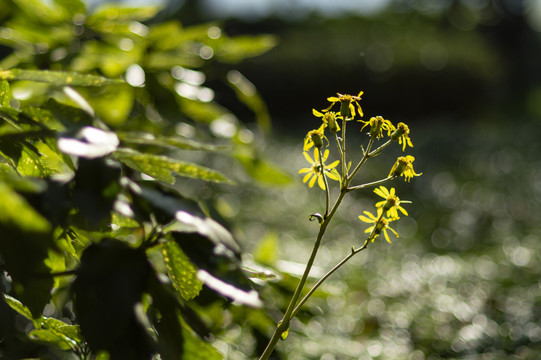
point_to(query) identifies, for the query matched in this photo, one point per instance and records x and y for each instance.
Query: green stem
(329, 273)
(374, 183)
(365, 157)
(283, 325)
(327, 192)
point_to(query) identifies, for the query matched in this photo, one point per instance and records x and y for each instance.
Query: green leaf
(4, 94)
(57, 77)
(109, 12)
(51, 338)
(166, 141)
(247, 94)
(20, 213)
(236, 49)
(162, 168)
(197, 349)
(266, 251)
(71, 7)
(71, 332)
(263, 171)
(180, 270)
(18, 306)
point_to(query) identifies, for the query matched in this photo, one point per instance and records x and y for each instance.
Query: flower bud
(331, 122)
(344, 108)
(316, 138)
(401, 129)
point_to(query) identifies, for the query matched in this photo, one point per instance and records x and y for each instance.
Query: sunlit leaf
(163, 168)
(4, 94)
(266, 251)
(20, 213)
(180, 270)
(238, 296)
(57, 77)
(113, 13)
(17, 306)
(51, 338)
(89, 142)
(242, 47)
(61, 328)
(112, 104)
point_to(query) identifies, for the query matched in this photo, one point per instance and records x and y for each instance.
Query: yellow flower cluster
(380, 222)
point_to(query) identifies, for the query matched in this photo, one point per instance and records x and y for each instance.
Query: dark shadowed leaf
(111, 280)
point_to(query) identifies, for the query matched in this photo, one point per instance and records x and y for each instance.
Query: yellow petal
(306, 177)
(313, 181)
(333, 99)
(308, 158)
(316, 113)
(304, 170)
(321, 182)
(332, 165)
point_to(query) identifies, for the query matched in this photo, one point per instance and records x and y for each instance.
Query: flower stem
(329, 273)
(374, 183)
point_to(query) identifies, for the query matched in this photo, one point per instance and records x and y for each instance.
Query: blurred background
(463, 279)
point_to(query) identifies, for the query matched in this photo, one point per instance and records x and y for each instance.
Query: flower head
(381, 224)
(404, 166)
(329, 119)
(391, 203)
(347, 110)
(377, 125)
(402, 135)
(315, 138)
(319, 169)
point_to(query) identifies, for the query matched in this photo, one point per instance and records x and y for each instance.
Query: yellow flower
(329, 119)
(347, 110)
(316, 172)
(315, 137)
(381, 224)
(403, 166)
(377, 125)
(391, 202)
(402, 135)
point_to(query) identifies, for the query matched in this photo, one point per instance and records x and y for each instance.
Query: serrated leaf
(4, 94)
(180, 270)
(57, 77)
(163, 168)
(166, 141)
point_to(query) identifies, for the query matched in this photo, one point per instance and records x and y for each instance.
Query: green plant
(102, 250)
(320, 172)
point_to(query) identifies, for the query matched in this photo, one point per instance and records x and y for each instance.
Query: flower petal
(321, 182)
(308, 158)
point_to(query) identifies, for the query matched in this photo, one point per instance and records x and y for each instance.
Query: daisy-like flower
(377, 125)
(347, 109)
(316, 171)
(329, 119)
(404, 166)
(381, 224)
(402, 135)
(391, 203)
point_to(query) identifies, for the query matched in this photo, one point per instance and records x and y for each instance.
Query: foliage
(103, 248)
